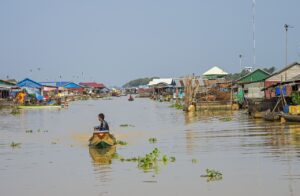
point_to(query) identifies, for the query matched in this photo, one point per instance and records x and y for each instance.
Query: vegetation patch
(149, 161)
(194, 161)
(213, 175)
(177, 106)
(15, 145)
(296, 98)
(122, 143)
(172, 159)
(152, 140)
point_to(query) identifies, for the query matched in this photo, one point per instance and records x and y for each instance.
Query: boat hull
(38, 106)
(102, 140)
(291, 118)
(271, 116)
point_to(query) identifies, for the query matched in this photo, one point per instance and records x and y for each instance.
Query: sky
(114, 41)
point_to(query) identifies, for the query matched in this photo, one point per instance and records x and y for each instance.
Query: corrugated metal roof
(92, 84)
(29, 83)
(167, 81)
(284, 69)
(255, 76)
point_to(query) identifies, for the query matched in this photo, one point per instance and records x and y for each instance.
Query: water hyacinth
(122, 143)
(15, 145)
(212, 175)
(194, 161)
(152, 140)
(149, 161)
(177, 106)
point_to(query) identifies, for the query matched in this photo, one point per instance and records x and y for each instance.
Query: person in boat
(103, 124)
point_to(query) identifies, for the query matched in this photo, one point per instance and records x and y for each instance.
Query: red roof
(92, 84)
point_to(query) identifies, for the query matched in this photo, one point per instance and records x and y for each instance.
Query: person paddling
(103, 124)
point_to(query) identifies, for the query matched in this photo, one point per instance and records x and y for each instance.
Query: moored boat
(102, 139)
(257, 114)
(38, 106)
(272, 116)
(290, 117)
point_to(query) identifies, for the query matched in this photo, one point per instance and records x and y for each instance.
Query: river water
(255, 157)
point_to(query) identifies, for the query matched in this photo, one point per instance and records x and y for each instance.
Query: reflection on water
(102, 156)
(255, 157)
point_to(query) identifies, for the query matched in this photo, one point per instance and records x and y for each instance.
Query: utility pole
(241, 56)
(286, 27)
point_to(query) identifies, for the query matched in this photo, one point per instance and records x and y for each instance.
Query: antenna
(286, 27)
(253, 26)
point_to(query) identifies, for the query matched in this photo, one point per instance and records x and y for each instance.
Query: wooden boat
(38, 106)
(290, 117)
(272, 116)
(102, 156)
(257, 114)
(102, 139)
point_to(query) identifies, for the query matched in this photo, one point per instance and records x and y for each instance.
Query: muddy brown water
(255, 157)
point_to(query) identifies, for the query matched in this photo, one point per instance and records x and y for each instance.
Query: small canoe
(290, 117)
(38, 106)
(102, 139)
(130, 98)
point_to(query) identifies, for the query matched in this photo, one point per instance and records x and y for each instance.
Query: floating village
(271, 96)
(149, 98)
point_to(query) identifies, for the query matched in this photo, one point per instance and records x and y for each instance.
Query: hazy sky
(113, 41)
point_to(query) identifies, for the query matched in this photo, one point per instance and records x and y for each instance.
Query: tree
(270, 70)
(138, 82)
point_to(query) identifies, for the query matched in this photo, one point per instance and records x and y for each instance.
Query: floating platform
(38, 106)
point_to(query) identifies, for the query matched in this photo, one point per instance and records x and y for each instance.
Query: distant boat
(130, 98)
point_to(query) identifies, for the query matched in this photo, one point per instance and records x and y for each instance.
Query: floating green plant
(177, 106)
(213, 175)
(165, 158)
(194, 161)
(122, 143)
(15, 145)
(115, 156)
(149, 161)
(172, 159)
(152, 140)
(122, 159)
